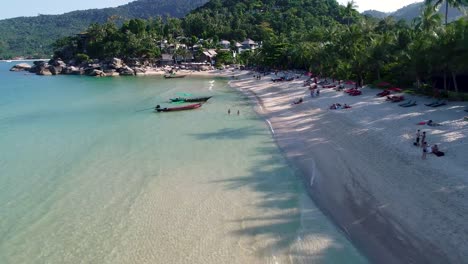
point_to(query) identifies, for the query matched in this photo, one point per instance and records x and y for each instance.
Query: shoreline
(374, 203)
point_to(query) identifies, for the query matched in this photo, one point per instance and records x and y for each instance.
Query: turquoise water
(86, 177)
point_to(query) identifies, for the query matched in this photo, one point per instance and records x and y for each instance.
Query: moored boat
(190, 100)
(172, 76)
(180, 108)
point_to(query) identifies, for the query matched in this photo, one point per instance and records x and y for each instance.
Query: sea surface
(89, 174)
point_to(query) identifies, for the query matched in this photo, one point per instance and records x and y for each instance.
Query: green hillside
(33, 36)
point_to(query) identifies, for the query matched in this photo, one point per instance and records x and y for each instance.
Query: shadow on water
(280, 198)
(229, 133)
(284, 223)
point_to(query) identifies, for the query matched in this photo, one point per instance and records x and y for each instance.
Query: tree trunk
(446, 11)
(445, 81)
(455, 84)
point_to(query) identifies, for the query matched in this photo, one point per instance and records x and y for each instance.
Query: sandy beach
(362, 169)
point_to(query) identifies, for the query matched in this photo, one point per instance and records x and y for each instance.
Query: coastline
(365, 174)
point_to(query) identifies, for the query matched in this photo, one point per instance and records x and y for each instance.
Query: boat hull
(191, 100)
(174, 76)
(180, 108)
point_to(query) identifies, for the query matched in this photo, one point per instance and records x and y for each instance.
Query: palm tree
(350, 10)
(453, 3)
(428, 21)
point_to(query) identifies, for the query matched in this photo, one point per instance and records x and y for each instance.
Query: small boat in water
(172, 76)
(190, 100)
(180, 108)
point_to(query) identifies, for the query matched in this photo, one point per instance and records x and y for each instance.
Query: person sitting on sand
(298, 101)
(432, 123)
(436, 151)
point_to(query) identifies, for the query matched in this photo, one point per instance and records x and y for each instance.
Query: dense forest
(33, 36)
(316, 35)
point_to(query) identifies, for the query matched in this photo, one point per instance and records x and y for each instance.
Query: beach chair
(410, 105)
(439, 104)
(406, 103)
(433, 103)
(383, 93)
(355, 92)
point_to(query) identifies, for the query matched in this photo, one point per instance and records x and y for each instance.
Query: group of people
(339, 106)
(229, 112)
(426, 148)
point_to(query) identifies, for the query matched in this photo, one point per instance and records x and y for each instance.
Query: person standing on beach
(238, 112)
(418, 137)
(229, 111)
(424, 150)
(423, 139)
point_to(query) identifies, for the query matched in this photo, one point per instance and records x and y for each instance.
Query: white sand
(361, 167)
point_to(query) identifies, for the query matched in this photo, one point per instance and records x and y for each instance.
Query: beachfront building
(166, 60)
(207, 56)
(225, 45)
(249, 44)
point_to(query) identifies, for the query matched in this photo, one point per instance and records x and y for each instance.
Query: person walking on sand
(423, 138)
(418, 137)
(424, 150)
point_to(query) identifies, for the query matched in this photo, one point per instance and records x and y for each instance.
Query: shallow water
(85, 177)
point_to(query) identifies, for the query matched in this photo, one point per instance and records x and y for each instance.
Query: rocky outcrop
(126, 71)
(116, 63)
(72, 70)
(112, 67)
(44, 72)
(139, 71)
(97, 73)
(55, 70)
(21, 67)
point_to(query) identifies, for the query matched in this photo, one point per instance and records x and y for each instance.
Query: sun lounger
(383, 93)
(410, 105)
(433, 103)
(406, 103)
(439, 104)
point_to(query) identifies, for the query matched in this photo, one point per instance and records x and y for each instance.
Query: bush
(80, 58)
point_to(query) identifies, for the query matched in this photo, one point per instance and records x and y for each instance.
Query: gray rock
(21, 67)
(112, 74)
(72, 70)
(55, 70)
(44, 72)
(126, 71)
(97, 73)
(139, 70)
(116, 63)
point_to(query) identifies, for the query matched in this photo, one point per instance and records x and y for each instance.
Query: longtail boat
(190, 100)
(172, 76)
(180, 108)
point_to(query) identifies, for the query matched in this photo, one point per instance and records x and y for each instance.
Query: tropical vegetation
(318, 36)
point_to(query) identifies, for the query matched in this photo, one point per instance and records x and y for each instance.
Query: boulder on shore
(72, 70)
(97, 73)
(126, 71)
(139, 71)
(116, 63)
(44, 72)
(55, 70)
(21, 67)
